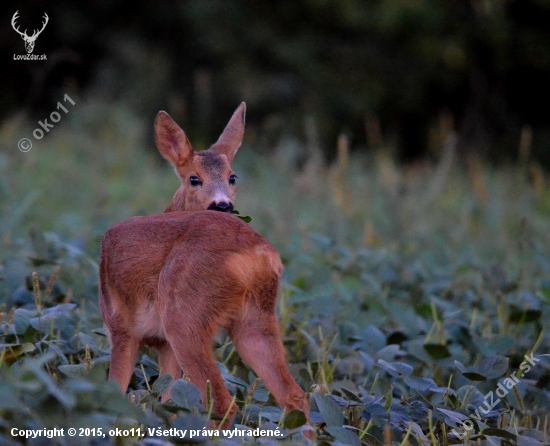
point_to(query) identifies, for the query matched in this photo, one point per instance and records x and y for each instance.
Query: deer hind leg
(191, 342)
(168, 364)
(257, 338)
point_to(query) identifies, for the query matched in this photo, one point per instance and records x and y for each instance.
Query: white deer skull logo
(29, 40)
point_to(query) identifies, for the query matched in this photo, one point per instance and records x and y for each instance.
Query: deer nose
(221, 206)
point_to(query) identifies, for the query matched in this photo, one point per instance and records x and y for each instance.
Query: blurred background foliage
(396, 155)
(389, 73)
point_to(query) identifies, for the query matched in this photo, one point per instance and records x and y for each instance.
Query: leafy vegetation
(410, 293)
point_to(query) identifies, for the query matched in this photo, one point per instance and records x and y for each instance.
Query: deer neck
(178, 201)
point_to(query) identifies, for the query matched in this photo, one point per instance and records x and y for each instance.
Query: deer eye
(194, 181)
(232, 179)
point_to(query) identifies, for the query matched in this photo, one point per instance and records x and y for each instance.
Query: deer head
(208, 182)
(29, 40)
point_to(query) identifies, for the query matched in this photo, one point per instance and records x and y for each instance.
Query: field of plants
(414, 308)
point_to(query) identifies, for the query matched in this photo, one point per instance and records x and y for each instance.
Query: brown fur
(171, 281)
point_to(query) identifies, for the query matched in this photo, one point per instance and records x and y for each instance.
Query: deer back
(199, 253)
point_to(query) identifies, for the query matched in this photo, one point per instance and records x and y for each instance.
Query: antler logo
(29, 40)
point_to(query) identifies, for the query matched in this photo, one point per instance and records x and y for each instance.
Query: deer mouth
(221, 207)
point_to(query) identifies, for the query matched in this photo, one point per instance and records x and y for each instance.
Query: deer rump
(199, 265)
(171, 281)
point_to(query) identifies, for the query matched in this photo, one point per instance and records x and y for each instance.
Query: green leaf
(9, 400)
(244, 218)
(474, 376)
(371, 440)
(493, 366)
(185, 394)
(73, 370)
(421, 384)
(100, 332)
(56, 314)
(351, 396)
(67, 399)
(384, 365)
(518, 314)
(294, 419)
(437, 351)
(344, 436)
(402, 368)
(461, 368)
(271, 413)
(523, 440)
(332, 414)
(453, 416)
(494, 432)
(162, 384)
(22, 320)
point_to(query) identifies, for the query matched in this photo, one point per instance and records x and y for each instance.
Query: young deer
(207, 179)
(171, 281)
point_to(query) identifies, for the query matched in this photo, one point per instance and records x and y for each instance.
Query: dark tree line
(483, 65)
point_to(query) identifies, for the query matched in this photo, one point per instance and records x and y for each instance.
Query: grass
(393, 273)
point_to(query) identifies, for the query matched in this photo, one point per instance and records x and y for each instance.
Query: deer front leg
(124, 352)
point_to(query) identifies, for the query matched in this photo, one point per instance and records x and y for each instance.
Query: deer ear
(171, 140)
(232, 137)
